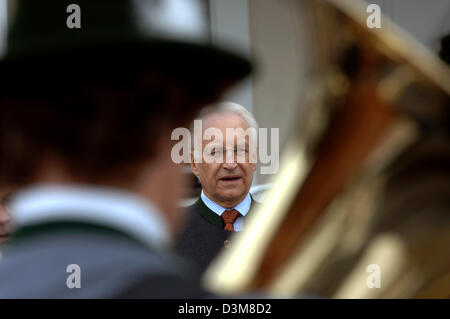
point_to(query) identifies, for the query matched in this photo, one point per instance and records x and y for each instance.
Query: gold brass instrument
(357, 188)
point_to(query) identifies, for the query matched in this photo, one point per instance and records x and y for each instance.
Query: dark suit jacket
(204, 236)
(113, 265)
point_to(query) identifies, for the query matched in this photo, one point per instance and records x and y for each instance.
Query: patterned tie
(228, 218)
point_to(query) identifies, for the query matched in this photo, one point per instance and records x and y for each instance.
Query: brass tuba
(360, 208)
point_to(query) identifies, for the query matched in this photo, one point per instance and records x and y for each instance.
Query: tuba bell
(360, 207)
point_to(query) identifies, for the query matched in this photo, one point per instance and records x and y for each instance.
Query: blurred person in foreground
(225, 199)
(5, 226)
(86, 115)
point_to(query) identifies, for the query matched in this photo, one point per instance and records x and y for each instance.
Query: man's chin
(232, 197)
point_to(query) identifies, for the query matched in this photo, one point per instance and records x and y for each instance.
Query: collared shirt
(111, 207)
(243, 208)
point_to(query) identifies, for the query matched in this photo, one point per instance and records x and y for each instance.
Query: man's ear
(194, 166)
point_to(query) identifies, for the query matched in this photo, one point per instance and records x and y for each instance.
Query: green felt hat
(60, 38)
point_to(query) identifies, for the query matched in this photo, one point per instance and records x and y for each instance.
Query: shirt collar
(106, 206)
(243, 207)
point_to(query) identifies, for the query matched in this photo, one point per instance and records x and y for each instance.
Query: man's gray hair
(227, 108)
(230, 107)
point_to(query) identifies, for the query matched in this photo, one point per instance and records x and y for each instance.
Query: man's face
(226, 180)
(5, 225)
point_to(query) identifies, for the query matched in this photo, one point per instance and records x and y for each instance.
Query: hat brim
(187, 61)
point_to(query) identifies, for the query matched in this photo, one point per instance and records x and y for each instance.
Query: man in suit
(226, 179)
(86, 114)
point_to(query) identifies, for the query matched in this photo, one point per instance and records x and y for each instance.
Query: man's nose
(231, 165)
(230, 162)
